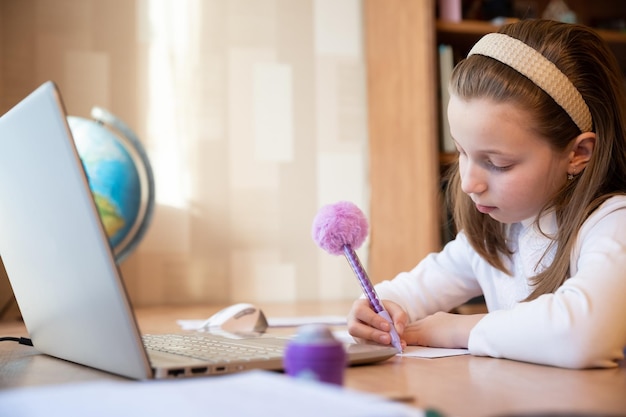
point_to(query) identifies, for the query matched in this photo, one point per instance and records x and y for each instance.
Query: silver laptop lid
(54, 247)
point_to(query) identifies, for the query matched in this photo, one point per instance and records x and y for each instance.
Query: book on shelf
(446, 63)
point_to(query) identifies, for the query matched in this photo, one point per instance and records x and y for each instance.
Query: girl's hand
(367, 326)
(444, 330)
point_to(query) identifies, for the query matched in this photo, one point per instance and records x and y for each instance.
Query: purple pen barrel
(370, 293)
(364, 280)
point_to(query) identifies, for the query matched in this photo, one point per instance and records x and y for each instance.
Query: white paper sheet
(430, 352)
(239, 395)
(410, 351)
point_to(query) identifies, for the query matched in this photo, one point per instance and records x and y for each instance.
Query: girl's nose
(472, 178)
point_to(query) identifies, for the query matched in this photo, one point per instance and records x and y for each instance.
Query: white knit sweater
(581, 325)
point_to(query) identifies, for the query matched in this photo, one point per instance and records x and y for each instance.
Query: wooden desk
(457, 386)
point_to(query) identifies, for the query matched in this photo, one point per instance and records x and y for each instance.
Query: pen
(340, 228)
(370, 293)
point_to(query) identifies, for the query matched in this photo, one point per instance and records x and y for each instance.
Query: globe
(119, 175)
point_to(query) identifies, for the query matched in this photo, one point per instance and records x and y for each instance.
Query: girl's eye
(495, 167)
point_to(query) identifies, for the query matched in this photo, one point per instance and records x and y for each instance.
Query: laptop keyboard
(213, 348)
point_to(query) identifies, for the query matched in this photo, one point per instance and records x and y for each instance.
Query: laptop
(63, 272)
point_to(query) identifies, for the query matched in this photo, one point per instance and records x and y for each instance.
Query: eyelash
(497, 168)
(489, 164)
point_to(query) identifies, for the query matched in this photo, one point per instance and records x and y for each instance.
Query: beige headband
(537, 68)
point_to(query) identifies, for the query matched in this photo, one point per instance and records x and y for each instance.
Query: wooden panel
(400, 48)
(17, 43)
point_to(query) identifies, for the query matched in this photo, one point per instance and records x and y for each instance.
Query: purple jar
(314, 354)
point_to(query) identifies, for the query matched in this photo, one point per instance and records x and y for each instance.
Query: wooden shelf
(613, 37)
(447, 158)
(478, 28)
(463, 35)
(466, 27)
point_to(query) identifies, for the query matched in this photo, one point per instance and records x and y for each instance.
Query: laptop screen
(52, 242)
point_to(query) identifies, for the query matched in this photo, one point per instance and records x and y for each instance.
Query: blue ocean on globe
(120, 177)
(112, 174)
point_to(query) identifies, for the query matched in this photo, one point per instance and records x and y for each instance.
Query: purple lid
(316, 355)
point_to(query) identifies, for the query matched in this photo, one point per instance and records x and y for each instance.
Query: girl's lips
(485, 209)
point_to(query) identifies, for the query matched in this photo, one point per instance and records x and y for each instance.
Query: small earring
(570, 176)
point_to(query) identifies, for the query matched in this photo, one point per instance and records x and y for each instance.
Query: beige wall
(253, 113)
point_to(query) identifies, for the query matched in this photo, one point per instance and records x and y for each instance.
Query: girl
(539, 198)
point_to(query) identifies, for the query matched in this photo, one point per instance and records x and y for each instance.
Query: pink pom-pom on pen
(337, 225)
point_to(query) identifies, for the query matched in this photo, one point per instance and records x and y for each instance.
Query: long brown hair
(591, 66)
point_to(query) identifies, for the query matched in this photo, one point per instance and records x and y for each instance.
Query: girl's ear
(581, 152)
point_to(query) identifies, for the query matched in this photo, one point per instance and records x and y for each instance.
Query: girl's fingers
(364, 323)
